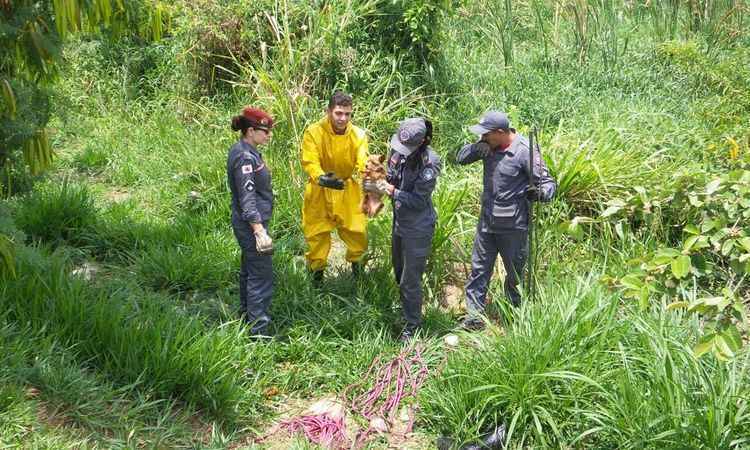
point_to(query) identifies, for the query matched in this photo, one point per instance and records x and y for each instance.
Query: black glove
(330, 181)
(483, 149)
(532, 194)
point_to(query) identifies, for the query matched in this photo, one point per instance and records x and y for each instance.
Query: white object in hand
(263, 242)
(382, 186)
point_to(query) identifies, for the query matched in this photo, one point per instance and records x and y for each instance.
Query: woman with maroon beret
(252, 204)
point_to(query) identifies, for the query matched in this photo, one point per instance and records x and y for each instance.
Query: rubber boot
(495, 440)
(356, 269)
(317, 278)
(409, 332)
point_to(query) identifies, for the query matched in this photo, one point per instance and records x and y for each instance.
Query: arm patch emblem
(428, 173)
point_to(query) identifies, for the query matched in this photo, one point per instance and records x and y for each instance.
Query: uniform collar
(513, 148)
(247, 146)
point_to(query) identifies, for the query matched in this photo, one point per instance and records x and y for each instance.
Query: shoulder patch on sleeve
(428, 173)
(247, 168)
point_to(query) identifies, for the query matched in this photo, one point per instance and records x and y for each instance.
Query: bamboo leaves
(7, 256)
(37, 152)
(9, 100)
(33, 41)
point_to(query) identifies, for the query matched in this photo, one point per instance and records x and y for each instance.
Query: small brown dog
(372, 202)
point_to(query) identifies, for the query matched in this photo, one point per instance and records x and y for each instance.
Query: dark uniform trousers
(512, 245)
(256, 280)
(409, 256)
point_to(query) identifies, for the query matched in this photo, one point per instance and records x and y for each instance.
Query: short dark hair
(339, 98)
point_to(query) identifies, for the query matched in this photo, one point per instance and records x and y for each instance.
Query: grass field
(120, 329)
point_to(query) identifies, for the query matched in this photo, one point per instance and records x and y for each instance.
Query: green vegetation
(118, 296)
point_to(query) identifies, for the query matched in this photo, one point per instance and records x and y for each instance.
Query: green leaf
(722, 349)
(691, 229)
(701, 243)
(713, 186)
(745, 243)
(681, 266)
(671, 252)
(632, 281)
(693, 199)
(704, 345)
(619, 230)
(689, 243)
(643, 298)
(611, 211)
(732, 338)
(665, 256)
(708, 225)
(719, 302)
(739, 313)
(699, 306)
(727, 247)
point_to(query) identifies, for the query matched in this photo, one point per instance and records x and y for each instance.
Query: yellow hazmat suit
(325, 209)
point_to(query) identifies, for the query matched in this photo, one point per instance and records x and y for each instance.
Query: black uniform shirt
(506, 180)
(413, 212)
(250, 182)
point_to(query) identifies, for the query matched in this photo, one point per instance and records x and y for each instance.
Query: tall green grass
(48, 399)
(136, 340)
(581, 370)
(57, 212)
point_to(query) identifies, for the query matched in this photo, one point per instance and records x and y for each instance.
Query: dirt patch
(117, 195)
(452, 298)
(275, 438)
(52, 417)
(337, 256)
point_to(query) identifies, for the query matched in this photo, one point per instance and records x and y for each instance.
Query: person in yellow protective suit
(333, 151)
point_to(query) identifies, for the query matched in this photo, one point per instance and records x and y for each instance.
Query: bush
(580, 371)
(134, 338)
(56, 213)
(195, 264)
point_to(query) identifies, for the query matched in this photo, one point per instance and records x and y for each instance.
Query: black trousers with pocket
(512, 246)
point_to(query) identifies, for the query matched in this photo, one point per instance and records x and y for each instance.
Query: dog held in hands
(372, 202)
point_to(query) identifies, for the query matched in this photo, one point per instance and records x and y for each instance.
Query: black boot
(472, 324)
(317, 278)
(494, 440)
(409, 333)
(356, 269)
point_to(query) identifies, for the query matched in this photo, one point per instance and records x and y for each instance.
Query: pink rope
(320, 429)
(392, 383)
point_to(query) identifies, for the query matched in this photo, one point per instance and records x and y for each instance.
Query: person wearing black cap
(413, 168)
(252, 204)
(504, 217)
